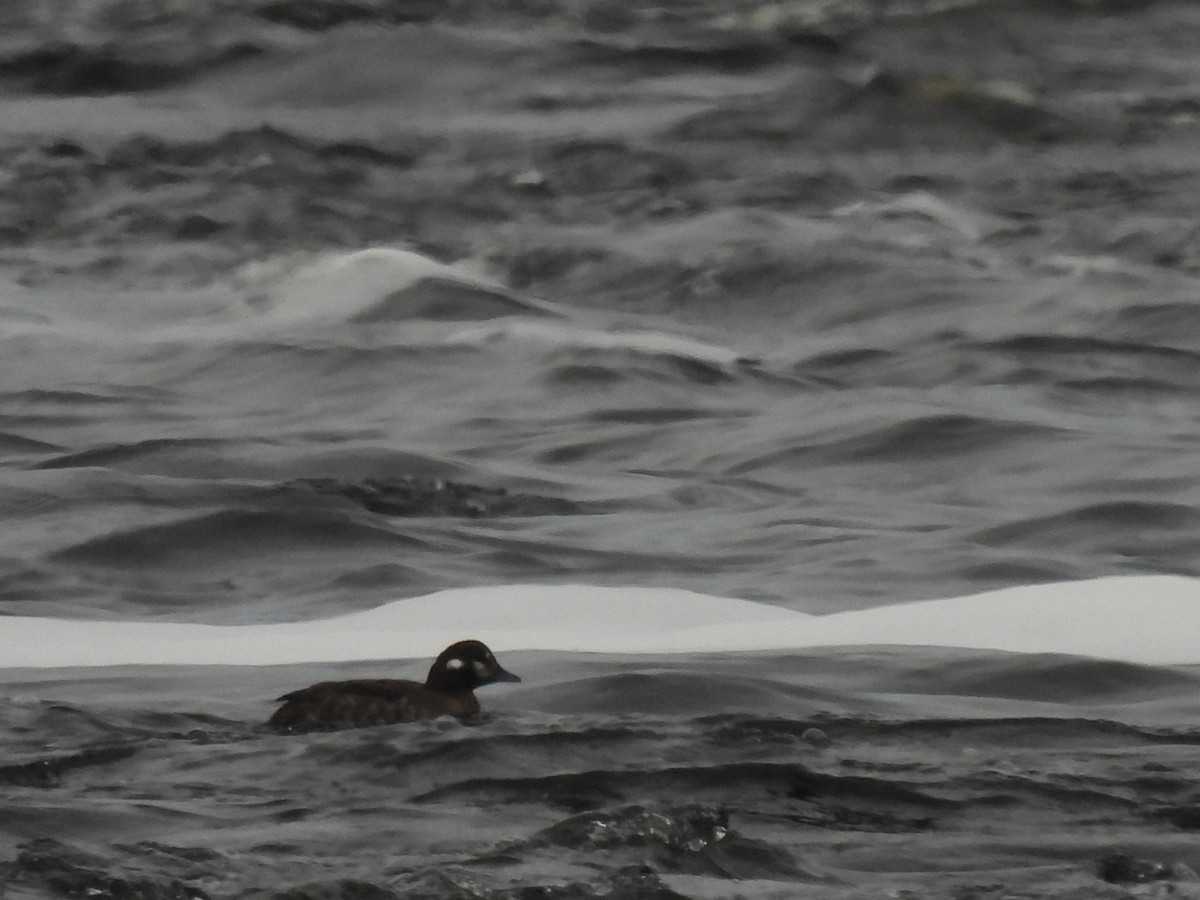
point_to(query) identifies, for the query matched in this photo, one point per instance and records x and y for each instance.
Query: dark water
(781, 775)
(824, 306)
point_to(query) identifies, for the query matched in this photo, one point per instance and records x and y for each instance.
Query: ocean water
(674, 349)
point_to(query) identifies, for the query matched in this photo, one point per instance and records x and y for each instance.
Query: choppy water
(841, 772)
(819, 305)
(184, 468)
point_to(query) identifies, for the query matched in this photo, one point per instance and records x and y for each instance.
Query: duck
(449, 690)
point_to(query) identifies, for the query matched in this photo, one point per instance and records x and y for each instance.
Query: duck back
(356, 704)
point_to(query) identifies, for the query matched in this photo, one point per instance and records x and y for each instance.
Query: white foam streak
(567, 334)
(1141, 619)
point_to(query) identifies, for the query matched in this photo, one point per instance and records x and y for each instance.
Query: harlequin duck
(447, 691)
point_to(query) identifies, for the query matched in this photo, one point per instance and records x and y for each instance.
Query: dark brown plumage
(448, 691)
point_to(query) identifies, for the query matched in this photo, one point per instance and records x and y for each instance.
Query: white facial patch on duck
(455, 664)
(481, 669)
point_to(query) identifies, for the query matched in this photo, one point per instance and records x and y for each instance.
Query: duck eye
(454, 664)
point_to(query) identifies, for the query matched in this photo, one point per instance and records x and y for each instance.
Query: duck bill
(504, 675)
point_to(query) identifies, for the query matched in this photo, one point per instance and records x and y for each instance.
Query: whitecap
(344, 286)
(348, 286)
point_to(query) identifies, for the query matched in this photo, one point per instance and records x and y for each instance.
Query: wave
(374, 284)
(1139, 619)
(678, 692)
(189, 452)
(214, 539)
(1049, 678)
(48, 772)
(763, 782)
(894, 435)
(168, 802)
(390, 285)
(1150, 366)
(90, 69)
(696, 359)
(1148, 529)
(362, 307)
(16, 444)
(931, 436)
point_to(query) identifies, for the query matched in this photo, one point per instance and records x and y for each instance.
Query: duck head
(465, 666)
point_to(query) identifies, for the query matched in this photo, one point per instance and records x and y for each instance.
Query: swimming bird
(448, 691)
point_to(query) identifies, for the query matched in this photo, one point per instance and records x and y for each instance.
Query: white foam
(1145, 619)
(338, 286)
